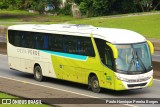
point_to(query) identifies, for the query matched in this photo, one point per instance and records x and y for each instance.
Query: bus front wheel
(38, 74)
(95, 84)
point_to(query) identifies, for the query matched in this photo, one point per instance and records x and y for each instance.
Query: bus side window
(11, 36)
(30, 40)
(45, 45)
(18, 39)
(55, 42)
(89, 48)
(70, 44)
(80, 47)
(50, 42)
(39, 41)
(58, 43)
(27, 41)
(23, 37)
(85, 47)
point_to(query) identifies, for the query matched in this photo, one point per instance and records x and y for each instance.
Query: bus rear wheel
(38, 74)
(95, 84)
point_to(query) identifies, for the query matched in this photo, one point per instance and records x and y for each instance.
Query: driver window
(105, 53)
(108, 58)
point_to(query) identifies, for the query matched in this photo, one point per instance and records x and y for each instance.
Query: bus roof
(112, 35)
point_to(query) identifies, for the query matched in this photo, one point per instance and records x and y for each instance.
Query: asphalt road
(156, 56)
(152, 92)
(2, 39)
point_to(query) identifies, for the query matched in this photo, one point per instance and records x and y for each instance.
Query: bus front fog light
(121, 85)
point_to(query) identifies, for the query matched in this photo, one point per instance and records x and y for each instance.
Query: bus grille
(136, 85)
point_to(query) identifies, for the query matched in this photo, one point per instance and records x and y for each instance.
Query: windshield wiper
(131, 62)
(139, 60)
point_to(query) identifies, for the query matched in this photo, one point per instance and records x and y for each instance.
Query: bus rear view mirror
(114, 50)
(151, 47)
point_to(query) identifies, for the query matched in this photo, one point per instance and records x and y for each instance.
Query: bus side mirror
(151, 47)
(114, 49)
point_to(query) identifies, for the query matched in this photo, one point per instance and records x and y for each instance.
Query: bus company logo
(6, 101)
(28, 51)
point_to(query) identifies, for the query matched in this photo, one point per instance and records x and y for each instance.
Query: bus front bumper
(127, 82)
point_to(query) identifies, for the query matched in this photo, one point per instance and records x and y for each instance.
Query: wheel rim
(95, 84)
(38, 74)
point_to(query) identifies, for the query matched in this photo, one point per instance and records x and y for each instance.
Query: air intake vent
(78, 26)
(136, 85)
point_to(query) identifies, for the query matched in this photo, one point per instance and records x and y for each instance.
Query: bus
(116, 59)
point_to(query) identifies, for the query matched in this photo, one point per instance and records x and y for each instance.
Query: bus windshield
(133, 59)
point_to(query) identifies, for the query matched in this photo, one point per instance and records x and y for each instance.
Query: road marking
(156, 55)
(59, 89)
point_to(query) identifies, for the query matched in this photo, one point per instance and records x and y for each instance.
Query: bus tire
(38, 74)
(95, 84)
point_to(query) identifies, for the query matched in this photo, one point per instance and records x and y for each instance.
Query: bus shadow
(21, 74)
(66, 83)
(49, 80)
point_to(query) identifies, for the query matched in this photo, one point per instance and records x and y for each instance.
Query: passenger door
(106, 56)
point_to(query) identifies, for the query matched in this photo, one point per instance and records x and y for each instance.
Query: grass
(3, 96)
(147, 25)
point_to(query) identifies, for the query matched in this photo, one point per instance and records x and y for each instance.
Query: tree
(156, 4)
(55, 3)
(94, 7)
(39, 5)
(123, 6)
(66, 8)
(145, 5)
(12, 4)
(3, 4)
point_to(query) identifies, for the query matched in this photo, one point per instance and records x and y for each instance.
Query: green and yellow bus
(116, 59)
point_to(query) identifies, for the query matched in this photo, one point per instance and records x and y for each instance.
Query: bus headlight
(122, 79)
